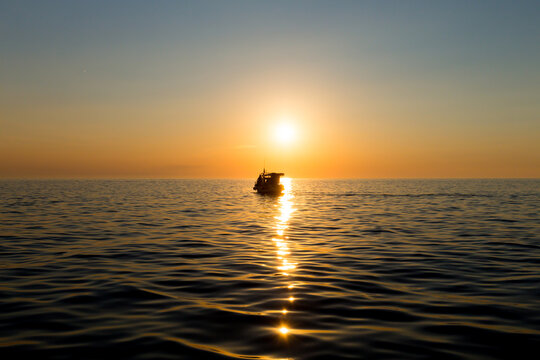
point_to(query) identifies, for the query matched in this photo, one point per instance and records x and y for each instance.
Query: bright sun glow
(285, 132)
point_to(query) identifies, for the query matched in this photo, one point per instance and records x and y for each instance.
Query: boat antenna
(264, 165)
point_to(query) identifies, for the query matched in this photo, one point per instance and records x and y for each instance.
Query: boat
(268, 183)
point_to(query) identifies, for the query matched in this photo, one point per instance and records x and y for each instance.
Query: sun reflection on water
(284, 264)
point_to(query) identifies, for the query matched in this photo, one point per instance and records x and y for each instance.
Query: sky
(196, 89)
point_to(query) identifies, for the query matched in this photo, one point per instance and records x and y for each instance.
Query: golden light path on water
(285, 265)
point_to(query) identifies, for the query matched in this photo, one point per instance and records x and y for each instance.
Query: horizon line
(246, 178)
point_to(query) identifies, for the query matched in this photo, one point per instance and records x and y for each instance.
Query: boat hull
(271, 190)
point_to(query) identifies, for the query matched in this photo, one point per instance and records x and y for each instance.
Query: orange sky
(147, 141)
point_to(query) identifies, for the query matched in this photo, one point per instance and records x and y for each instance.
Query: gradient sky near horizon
(166, 89)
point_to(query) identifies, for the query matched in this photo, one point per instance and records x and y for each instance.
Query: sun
(285, 132)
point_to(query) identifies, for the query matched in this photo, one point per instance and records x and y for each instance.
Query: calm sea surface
(207, 269)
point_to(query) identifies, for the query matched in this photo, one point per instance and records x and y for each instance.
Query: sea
(209, 269)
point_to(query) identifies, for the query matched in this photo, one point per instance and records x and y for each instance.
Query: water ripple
(445, 269)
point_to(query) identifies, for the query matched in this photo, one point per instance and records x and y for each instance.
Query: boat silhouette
(268, 183)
